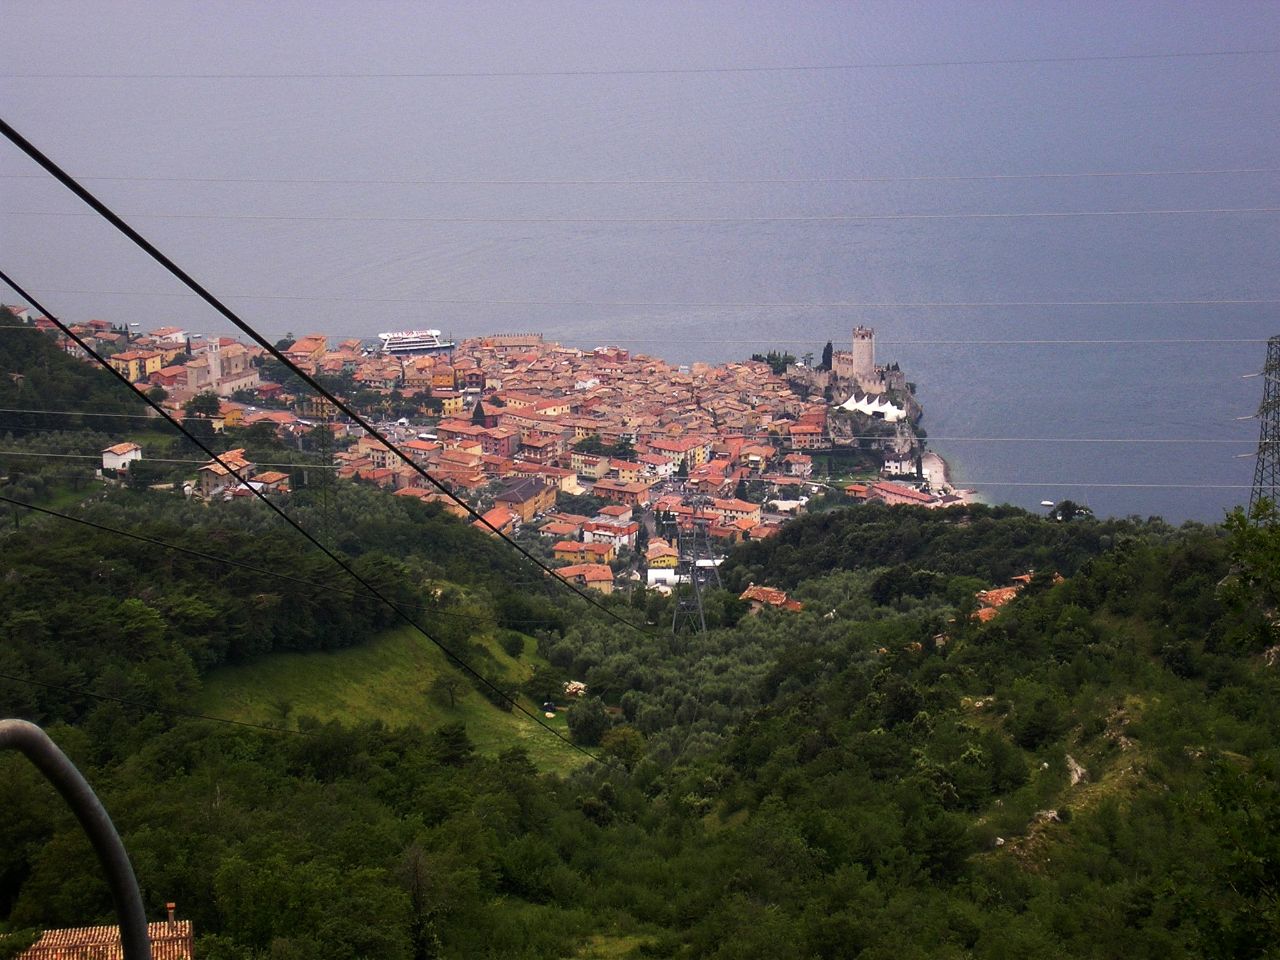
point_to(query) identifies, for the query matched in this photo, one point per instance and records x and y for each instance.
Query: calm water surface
(639, 283)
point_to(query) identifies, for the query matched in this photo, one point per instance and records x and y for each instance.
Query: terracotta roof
(614, 486)
(990, 601)
(169, 941)
(589, 572)
(771, 596)
(574, 547)
(886, 488)
(234, 459)
(998, 597)
(734, 506)
(498, 517)
(120, 449)
(558, 528)
(265, 416)
(420, 446)
(420, 492)
(569, 517)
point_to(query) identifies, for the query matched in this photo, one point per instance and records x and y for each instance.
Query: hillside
(1085, 766)
(388, 679)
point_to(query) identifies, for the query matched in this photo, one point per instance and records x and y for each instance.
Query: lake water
(1023, 421)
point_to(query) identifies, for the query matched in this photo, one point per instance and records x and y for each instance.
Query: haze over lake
(502, 182)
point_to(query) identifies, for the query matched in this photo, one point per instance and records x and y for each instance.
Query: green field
(387, 679)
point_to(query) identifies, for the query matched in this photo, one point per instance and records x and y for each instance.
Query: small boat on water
(409, 343)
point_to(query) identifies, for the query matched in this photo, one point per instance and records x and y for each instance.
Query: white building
(664, 577)
(618, 533)
(900, 465)
(119, 457)
(170, 335)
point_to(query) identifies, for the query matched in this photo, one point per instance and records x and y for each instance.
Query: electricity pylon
(695, 565)
(1266, 475)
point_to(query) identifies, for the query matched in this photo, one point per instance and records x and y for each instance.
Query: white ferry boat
(407, 343)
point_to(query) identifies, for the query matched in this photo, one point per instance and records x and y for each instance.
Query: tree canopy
(1091, 770)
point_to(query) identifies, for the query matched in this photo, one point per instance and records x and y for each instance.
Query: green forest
(1092, 772)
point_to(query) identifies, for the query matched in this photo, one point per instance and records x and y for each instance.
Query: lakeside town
(615, 462)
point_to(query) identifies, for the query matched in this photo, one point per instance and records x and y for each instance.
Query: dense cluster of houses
(510, 412)
(512, 408)
(170, 357)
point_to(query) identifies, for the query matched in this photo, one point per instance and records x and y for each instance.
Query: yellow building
(628, 471)
(661, 555)
(137, 365)
(231, 413)
(584, 552)
(553, 407)
(451, 404)
(589, 465)
(595, 576)
(317, 408)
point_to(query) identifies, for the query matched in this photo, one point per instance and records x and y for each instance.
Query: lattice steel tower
(1266, 475)
(696, 563)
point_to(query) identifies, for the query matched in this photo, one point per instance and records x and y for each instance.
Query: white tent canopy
(872, 405)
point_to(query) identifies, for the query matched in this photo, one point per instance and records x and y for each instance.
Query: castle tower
(863, 355)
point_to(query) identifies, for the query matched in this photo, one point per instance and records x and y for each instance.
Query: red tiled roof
(169, 941)
(900, 490)
(235, 459)
(589, 572)
(558, 528)
(734, 506)
(998, 597)
(771, 596)
(420, 492)
(498, 517)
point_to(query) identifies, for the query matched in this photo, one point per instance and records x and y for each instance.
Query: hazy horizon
(535, 148)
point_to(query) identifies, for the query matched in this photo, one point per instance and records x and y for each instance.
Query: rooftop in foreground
(170, 940)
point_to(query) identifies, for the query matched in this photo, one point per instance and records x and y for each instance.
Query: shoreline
(937, 473)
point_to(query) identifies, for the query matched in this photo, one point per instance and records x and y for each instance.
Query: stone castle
(855, 371)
